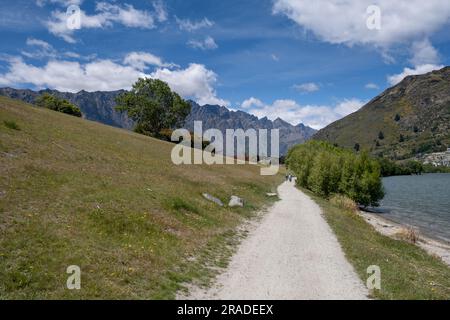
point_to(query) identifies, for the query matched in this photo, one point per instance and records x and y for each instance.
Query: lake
(420, 201)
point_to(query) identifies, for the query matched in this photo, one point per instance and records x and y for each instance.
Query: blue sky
(303, 61)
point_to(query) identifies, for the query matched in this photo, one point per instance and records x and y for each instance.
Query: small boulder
(209, 197)
(236, 202)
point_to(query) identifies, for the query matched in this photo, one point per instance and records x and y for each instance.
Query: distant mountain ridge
(99, 106)
(409, 120)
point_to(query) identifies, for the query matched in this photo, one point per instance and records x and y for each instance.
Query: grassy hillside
(413, 118)
(110, 201)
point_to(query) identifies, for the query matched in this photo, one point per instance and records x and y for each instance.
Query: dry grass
(110, 201)
(408, 234)
(344, 202)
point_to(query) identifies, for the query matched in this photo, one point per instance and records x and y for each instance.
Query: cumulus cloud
(141, 60)
(307, 87)
(40, 49)
(190, 26)
(207, 44)
(422, 69)
(345, 22)
(194, 82)
(315, 116)
(423, 53)
(252, 102)
(106, 15)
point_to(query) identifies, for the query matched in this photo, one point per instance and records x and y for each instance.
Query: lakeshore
(438, 248)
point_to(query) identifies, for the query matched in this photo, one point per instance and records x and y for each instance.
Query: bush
(11, 125)
(327, 170)
(344, 202)
(61, 105)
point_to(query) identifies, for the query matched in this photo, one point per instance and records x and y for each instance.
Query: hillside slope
(407, 120)
(99, 106)
(75, 192)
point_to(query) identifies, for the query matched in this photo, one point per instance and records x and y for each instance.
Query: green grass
(407, 271)
(11, 125)
(75, 192)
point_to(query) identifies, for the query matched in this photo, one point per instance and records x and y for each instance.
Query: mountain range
(99, 106)
(407, 121)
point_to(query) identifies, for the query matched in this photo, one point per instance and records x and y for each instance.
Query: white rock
(236, 202)
(209, 197)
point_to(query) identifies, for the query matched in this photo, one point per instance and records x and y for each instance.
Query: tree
(397, 118)
(357, 147)
(401, 139)
(381, 135)
(61, 105)
(153, 106)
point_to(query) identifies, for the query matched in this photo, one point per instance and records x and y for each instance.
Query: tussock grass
(408, 234)
(343, 202)
(75, 192)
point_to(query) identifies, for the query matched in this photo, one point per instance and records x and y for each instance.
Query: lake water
(420, 201)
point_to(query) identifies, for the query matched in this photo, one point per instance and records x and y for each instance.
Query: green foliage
(61, 105)
(391, 168)
(11, 125)
(326, 170)
(153, 106)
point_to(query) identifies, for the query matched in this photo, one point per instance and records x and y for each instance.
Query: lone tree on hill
(153, 106)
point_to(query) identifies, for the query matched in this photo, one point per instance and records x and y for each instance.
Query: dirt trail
(291, 254)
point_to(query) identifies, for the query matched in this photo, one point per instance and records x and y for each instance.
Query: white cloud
(195, 82)
(274, 57)
(160, 10)
(207, 44)
(252, 102)
(306, 87)
(424, 53)
(190, 26)
(141, 60)
(106, 15)
(344, 22)
(422, 69)
(315, 116)
(66, 3)
(372, 86)
(71, 76)
(40, 49)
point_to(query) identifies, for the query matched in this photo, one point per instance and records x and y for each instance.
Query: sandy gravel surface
(291, 254)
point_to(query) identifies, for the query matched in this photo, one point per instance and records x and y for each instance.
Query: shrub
(11, 125)
(408, 234)
(61, 105)
(344, 202)
(326, 169)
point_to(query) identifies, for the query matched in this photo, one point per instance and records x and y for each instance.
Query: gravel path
(291, 254)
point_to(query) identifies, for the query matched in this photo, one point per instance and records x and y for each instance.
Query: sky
(309, 62)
